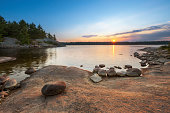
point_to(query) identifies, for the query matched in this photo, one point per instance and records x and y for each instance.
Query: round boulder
(95, 70)
(102, 72)
(30, 71)
(111, 72)
(133, 72)
(121, 74)
(53, 89)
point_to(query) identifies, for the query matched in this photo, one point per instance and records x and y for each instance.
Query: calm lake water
(76, 55)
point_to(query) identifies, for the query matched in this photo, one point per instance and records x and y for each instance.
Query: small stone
(102, 72)
(111, 72)
(96, 78)
(96, 66)
(53, 89)
(101, 65)
(10, 84)
(3, 79)
(3, 94)
(128, 66)
(30, 71)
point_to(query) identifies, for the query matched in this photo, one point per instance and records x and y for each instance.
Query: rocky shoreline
(118, 91)
(38, 43)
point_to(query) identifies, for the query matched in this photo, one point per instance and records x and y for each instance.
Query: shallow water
(76, 55)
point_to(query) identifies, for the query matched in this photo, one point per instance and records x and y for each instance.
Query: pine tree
(2, 27)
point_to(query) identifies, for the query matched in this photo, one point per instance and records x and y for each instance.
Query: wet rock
(30, 71)
(53, 89)
(101, 65)
(3, 94)
(3, 79)
(162, 60)
(102, 72)
(96, 66)
(118, 67)
(10, 84)
(96, 70)
(121, 73)
(143, 63)
(128, 66)
(133, 72)
(136, 54)
(167, 63)
(96, 78)
(154, 63)
(6, 59)
(111, 72)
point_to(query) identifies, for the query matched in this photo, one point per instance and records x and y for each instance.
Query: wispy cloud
(157, 32)
(89, 36)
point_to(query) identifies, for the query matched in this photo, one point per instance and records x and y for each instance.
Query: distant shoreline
(118, 43)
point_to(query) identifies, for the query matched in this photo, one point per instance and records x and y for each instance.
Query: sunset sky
(94, 20)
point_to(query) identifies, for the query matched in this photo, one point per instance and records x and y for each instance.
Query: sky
(94, 20)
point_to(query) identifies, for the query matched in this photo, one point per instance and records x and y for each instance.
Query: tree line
(22, 31)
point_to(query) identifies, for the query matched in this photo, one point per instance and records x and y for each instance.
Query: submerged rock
(30, 71)
(96, 78)
(53, 89)
(133, 72)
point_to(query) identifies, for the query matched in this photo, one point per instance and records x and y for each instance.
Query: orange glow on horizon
(113, 40)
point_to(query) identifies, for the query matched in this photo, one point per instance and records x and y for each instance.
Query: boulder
(95, 70)
(96, 78)
(96, 66)
(121, 73)
(143, 63)
(53, 89)
(102, 72)
(128, 66)
(101, 65)
(133, 72)
(111, 72)
(30, 71)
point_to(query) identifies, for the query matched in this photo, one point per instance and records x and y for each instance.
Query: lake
(73, 55)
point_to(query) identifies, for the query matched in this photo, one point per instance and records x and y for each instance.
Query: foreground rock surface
(149, 93)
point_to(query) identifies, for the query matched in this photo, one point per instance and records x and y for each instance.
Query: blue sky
(71, 20)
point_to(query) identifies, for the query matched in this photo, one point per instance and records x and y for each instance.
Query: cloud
(89, 36)
(151, 28)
